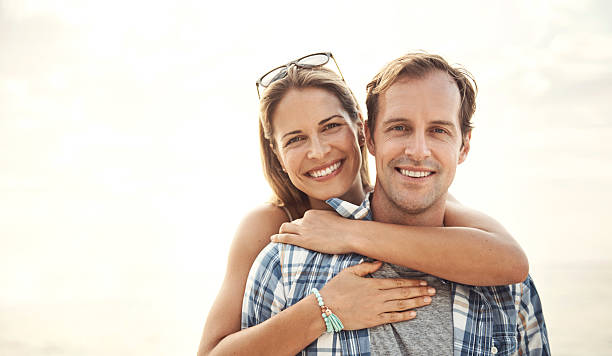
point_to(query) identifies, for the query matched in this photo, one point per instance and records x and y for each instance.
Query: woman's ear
(361, 137)
(280, 161)
(360, 132)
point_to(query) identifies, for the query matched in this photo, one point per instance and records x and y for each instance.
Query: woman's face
(317, 144)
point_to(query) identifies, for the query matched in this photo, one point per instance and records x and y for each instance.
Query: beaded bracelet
(332, 322)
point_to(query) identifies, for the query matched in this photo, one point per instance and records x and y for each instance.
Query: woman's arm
(472, 249)
(359, 302)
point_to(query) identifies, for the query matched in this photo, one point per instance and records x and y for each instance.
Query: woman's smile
(327, 171)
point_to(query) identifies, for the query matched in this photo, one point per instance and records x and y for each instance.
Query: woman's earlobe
(360, 133)
(361, 138)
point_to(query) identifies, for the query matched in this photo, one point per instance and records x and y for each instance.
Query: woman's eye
(331, 125)
(398, 128)
(293, 140)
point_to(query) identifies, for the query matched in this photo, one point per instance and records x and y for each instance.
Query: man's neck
(384, 210)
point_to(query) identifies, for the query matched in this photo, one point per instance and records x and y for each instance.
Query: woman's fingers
(365, 302)
(394, 317)
(286, 238)
(407, 292)
(391, 283)
(290, 227)
(406, 304)
(364, 268)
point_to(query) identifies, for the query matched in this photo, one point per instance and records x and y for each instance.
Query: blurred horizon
(126, 126)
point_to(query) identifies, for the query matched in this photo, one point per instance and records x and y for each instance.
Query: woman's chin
(323, 196)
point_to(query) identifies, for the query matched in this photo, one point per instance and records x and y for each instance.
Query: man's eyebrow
(443, 123)
(396, 119)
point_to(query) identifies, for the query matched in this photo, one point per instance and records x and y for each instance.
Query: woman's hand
(319, 230)
(362, 302)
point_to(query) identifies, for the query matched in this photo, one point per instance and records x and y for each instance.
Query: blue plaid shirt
(502, 320)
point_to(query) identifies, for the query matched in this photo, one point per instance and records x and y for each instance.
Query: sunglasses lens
(313, 61)
(274, 75)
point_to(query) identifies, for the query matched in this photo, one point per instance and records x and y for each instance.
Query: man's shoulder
(516, 290)
(508, 298)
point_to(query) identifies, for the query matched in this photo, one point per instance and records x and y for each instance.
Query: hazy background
(124, 124)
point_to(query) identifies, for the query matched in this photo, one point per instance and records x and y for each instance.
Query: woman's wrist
(332, 322)
(354, 236)
(317, 323)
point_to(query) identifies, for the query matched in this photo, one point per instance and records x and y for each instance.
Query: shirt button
(494, 350)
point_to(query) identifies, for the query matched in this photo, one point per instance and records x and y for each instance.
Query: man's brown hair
(417, 66)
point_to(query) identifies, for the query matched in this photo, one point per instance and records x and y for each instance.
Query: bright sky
(123, 125)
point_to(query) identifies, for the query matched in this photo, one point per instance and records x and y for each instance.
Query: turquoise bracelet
(332, 322)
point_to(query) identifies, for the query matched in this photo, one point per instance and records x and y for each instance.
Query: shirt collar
(350, 210)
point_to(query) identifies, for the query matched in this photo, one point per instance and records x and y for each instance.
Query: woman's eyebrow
(322, 122)
(291, 133)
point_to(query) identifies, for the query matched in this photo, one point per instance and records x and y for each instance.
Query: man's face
(417, 141)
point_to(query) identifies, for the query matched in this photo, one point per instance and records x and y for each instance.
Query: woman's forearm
(461, 254)
(472, 248)
(286, 333)
(283, 334)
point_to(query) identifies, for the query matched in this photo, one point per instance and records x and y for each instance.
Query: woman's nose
(318, 148)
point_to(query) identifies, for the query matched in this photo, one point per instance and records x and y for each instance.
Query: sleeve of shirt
(532, 333)
(264, 294)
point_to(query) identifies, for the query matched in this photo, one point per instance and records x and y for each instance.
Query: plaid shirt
(502, 320)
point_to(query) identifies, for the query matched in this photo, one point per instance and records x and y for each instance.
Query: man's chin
(413, 204)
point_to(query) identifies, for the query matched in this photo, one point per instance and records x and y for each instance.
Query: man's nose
(318, 148)
(417, 147)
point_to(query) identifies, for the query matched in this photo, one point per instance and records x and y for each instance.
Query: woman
(313, 149)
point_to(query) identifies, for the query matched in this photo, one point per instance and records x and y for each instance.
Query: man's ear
(465, 148)
(369, 138)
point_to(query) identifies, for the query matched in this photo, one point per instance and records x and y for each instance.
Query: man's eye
(293, 140)
(398, 128)
(439, 130)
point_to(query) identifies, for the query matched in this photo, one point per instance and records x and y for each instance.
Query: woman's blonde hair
(285, 194)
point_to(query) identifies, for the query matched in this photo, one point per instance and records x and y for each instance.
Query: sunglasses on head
(310, 61)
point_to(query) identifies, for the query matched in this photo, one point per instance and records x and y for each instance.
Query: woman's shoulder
(268, 214)
(261, 223)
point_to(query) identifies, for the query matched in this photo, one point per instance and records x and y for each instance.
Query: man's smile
(414, 174)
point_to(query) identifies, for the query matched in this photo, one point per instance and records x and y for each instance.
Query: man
(419, 130)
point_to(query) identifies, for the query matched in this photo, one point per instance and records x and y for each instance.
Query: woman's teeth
(324, 172)
(414, 174)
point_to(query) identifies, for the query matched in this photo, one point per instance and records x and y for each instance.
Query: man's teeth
(415, 174)
(324, 172)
